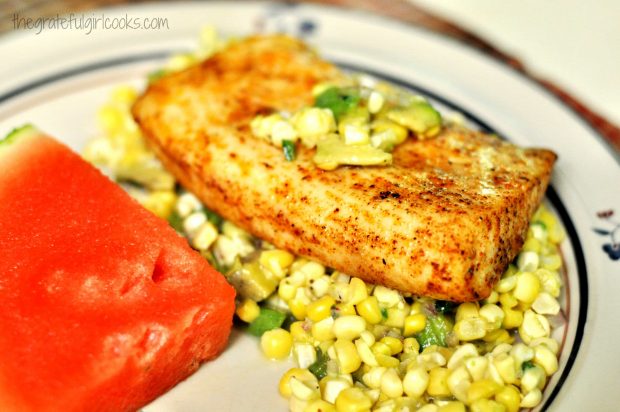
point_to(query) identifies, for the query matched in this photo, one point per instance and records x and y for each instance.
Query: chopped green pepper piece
(176, 221)
(288, 147)
(384, 313)
(436, 331)
(527, 365)
(319, 367)
(213, 217)
(338, 100)
(268, 319)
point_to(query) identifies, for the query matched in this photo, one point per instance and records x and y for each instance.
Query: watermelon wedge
(104, 306)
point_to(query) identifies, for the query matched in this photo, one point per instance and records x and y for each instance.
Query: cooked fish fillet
(443, 221)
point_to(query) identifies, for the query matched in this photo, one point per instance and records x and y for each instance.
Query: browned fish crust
(443, 221)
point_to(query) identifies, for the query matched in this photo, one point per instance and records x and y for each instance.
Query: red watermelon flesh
(104, 306)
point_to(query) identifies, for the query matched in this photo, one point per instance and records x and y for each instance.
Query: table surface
(567, 46)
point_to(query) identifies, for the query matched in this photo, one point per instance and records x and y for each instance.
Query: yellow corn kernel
(375, 102)
(531, 399)
(531, 245)
(348, 358)
(493, 314)
(353, 400)
(395, 344)
(349, 327)
(286, 290)
(414, 323)
(416, 308)
(161, 203)
(552, 344)
(320, 286)
(276, 343)
(463, 352)
(528, 261)
(368, 337)
(429, 407)
(304, 390)
(344, 309)
(331, 386)
(411, 345)
(301, 374)
(297, 308)
(510, 397)
(437, 384)
(508, 300)
(506, 284)
(545, 304)
(551, 262)
(534, 326)
(283, 130)
(416, 381)
(311, 123)
(493, 297)
(486, 405)
(369, 310)
(124, 95)
(396, 316)
(521, 353)
(320, 309)
(452, 406)
(386, 296)
(276, 261)
(470, 329)
(482, 389)
(533, 378)
(357, 291)
(248, 310)
(512, 318)
(498, 336)
(391, 385)
(544, 357)
(550, 281)
(298, 332)
(372, 378)
(431, 357)
(365, 353)
(381, 348)
(466, 311)
(527, 288)
(323, 330)
(458, 382)
(387, 361)
(477, 366)
(319, 405)
(304, 354)
(505, 366)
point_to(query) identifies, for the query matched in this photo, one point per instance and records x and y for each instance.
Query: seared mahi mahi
(443, 221)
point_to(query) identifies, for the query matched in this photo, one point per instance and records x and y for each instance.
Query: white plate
(59, 78)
